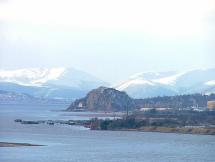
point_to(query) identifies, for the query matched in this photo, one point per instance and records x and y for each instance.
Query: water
(77, 144)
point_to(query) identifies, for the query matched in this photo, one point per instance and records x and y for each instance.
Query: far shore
(11, 144)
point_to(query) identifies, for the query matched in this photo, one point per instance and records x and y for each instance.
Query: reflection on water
(72, 143)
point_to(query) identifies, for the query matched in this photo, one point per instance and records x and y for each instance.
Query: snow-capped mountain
(49, 82)
(151, 84)
(31, 76)
(42, 76)
(69, 83)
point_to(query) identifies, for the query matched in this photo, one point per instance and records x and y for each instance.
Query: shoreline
(197, 131)
(13, 144)
(89, 124)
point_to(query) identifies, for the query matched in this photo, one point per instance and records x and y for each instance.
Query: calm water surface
(77, 144)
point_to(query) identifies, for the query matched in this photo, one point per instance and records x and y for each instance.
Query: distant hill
(7, 97)
(109, 99)
(179, 101)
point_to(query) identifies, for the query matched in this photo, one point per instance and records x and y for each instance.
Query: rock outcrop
(103, 99)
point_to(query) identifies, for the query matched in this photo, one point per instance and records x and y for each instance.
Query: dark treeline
(180, 101)
(157, 119)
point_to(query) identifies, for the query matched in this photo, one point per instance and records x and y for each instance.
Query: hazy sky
(111, 39)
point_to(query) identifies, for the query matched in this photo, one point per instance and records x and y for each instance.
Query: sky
(111, 39)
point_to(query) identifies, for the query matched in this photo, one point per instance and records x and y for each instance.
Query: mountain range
(152, 84)
(70, 84)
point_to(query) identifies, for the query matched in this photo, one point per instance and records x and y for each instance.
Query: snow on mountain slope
(31, 76)
(150, 84)
(146, 78)
(134, 82)
(152, 75)
(210, 83)
(170, 80)
(42, 76)
(78, 79)
(49, 82)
